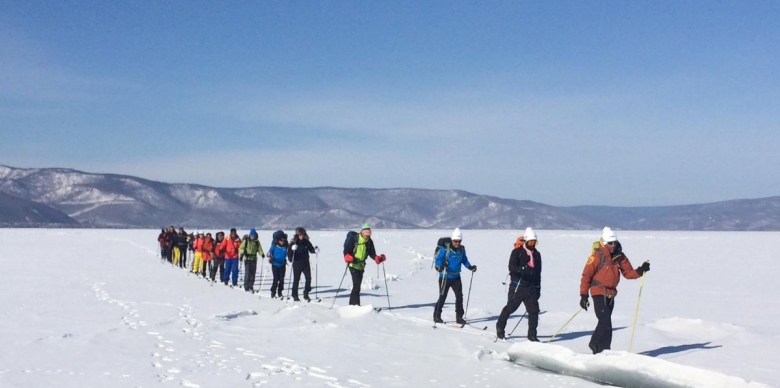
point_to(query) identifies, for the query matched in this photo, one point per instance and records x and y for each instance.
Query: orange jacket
(206, 246)
(604, 281)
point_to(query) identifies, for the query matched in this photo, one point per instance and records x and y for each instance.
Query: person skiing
(170, 241)
(356, 251)
(525, 269)
(161, 241)
(218, 259)
(197, 259)
(448, 262)
(182, 242)
(230, 245)
(207, 249)
(249, 250)
(276, 256)
(601, 276)
(298, 255)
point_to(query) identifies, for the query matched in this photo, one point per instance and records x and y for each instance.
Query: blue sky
(566, 103)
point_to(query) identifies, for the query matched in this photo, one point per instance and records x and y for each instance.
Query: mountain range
(67, 198)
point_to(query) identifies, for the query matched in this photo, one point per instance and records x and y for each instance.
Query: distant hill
(109, 200)
(16, 211)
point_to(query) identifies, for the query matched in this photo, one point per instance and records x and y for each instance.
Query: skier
(182, 242)
(161, 240)
(276, 256)
(230, 245)
(298, 255)
(356, 252)
(170, 241)
(197, 260)
(249, 250)
(601, 276)
(218, 258)
(448, 263)
(207, 248)
(525, 269)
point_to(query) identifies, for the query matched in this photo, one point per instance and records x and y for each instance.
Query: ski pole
(289, 285)
(316, 273)
(636, 312)
(262, 279)
(465, 313)
(518, 322)
(504, 282)
(387, 292)
(564, 325)
(443, 280)
(340, 283)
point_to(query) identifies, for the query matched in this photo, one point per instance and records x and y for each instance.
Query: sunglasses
(612, 243)
(456, 241)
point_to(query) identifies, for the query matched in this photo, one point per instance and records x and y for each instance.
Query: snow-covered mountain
(117, 200)
(109, 200)
(16, 211)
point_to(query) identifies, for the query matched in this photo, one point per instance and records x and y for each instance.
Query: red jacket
(604, 280)
(231, 247)
(206, 246)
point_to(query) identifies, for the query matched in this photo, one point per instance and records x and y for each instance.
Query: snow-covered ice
(94, 308)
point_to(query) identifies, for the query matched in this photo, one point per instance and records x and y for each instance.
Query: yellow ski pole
(636, 312)
(564, 326)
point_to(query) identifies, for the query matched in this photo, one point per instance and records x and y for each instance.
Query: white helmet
(529, 234)
(608, 235)
(457, 235)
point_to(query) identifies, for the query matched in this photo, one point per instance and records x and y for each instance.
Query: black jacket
(520, 271)
(301, 255)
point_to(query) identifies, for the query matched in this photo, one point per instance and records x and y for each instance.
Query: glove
(289, 259)
(446, 263)
(473, 268)
(270, 260)
(316, 249)
(294, 247)
(268, 255)
(645, 267)
(349, 258)
(380, 259)
(242, 257)
(439, 268)
(584, 303)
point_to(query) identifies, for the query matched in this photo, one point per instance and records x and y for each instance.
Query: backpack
(519, 242)
(351, 236)
(443, 243)
(278, 235)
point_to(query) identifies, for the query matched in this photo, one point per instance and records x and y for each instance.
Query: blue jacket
(456, 258)
(278, 255)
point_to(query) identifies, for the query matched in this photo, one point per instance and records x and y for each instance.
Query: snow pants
(357, 281)
(231, 269)
(528, 295)
(197, 262)
(176, 254)
(278, 283)
(444, 288)
(298, 269)
(250, 270)
(602, 336)
(183, 257)
(217, 264)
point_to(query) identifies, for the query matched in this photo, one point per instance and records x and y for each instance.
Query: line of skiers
(600, 276)
(225, 255)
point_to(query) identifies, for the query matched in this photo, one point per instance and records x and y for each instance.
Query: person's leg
(457, 289)
(444, 287)
(307, 282)
(514, 301)
(602, 336)
(532, 306)
(357, 281)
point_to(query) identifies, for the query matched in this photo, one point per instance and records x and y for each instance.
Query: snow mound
(355, 311)
(368, 284)
(695, 328)
(621, 368)
(234, 315)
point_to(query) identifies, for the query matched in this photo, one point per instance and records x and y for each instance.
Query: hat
(253, 232)
(529, 234)
(365, 226)
(608, 235)
(456, 235)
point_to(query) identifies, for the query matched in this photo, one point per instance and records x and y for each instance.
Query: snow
(92, 308)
